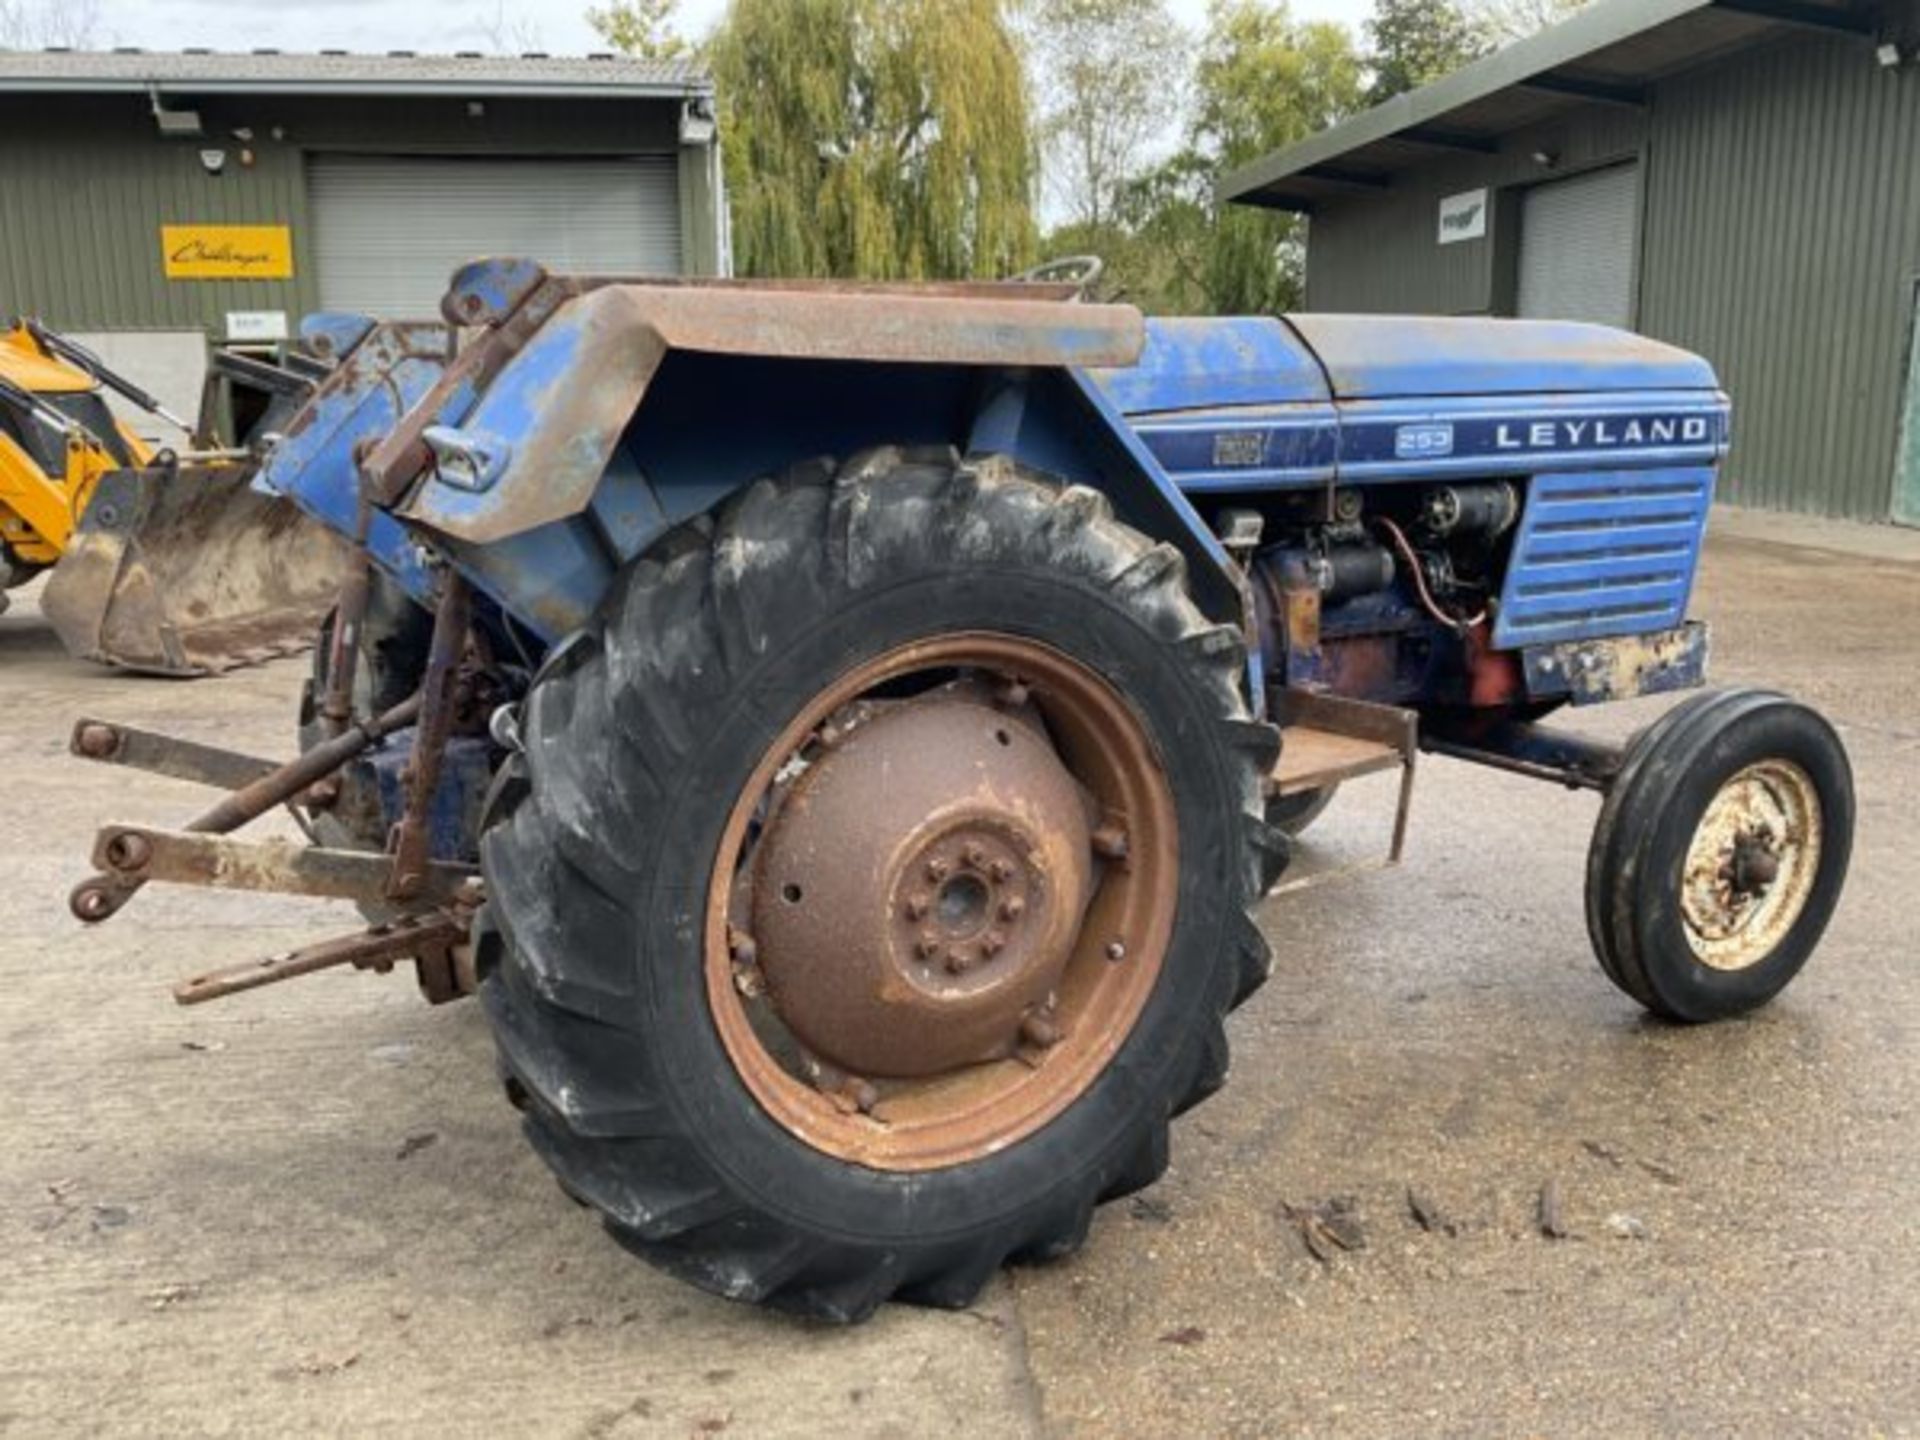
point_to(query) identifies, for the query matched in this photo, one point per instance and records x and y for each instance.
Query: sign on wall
(256, 325)
(227, 252)
(1463, 217)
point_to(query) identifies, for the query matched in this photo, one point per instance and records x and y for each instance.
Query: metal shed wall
(1379, 254)
(1780, 238)
(1782, 241)
(88, 183)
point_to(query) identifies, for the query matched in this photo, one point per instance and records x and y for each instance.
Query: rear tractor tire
(874, 881)
(1720, 854)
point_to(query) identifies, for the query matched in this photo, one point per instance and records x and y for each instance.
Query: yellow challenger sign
(227, 252)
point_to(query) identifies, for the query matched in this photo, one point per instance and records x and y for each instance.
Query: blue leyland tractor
(844, 734)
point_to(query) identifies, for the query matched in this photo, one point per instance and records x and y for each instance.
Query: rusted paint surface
(102, 895)
(565, 373)
(400, 456)
(412, 842)
(1327, 739)
(918, 889)
(1494, 678)
(1537, 751)
(1591, 672)
(429, 941)
(1751, 865)
(1055, 1048)
(135, 855)
(111, 744)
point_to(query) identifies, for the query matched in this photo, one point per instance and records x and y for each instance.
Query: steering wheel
(1079, 271)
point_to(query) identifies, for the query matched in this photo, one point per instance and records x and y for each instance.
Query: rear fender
(549, 421)
(610, 411)
(710, 424)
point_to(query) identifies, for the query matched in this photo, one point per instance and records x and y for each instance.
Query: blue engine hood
(1199, 364)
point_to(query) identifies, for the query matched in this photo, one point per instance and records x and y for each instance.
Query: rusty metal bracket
(168, 755)
(398, 461)
(410, 843)
(437, 944)
(1539, 752)
(134, 855)
(349, 616)
(1327, 740)
(103, 894)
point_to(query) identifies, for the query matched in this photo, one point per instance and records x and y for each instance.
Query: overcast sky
(438, 25)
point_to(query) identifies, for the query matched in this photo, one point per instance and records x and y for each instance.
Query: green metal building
(1739, 177)
(152, 202)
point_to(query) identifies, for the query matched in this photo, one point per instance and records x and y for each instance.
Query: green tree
(1109, 74)
(874, 138)
(1417, 41)
(1262, 81)
(640, 27)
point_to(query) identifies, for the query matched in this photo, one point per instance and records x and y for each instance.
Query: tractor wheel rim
(1751, 865)
(912, 966)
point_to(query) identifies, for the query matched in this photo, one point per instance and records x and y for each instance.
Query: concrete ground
(307, 1210)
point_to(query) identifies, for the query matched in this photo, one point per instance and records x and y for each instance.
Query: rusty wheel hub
(941, 901)
(1752, 864)
(918, 888)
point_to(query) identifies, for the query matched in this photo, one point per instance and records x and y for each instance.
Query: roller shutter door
(1577, 242)
(389, 230)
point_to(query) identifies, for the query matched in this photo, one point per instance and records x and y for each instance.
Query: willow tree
(1262, 81)
(881, 139)
(1265, 81)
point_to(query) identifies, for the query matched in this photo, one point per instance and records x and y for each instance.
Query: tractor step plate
(1312, 759)
(1326, 740)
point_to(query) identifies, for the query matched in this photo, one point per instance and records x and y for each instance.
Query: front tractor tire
(1720, 854)
(874, 883)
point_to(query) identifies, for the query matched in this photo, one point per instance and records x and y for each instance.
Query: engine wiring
(1418, 572)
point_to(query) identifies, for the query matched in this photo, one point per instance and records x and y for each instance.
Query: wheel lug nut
(1039, 1032)
(1013, 694)
(97, 741)
(975, 855)
(1001, 870)
(917, 907)
(926, 947)
(1116, 951)
(1012, 908)
(938, 870)
(1110, 842)
(992, 943)
(958, 961)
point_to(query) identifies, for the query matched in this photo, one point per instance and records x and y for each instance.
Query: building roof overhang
(1610, 53)
(336, 73)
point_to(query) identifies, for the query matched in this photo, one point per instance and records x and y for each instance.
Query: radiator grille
(1609, 553)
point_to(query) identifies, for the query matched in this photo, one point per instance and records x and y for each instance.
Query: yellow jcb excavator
(163, 560)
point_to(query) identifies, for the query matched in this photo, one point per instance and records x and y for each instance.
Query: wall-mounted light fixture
(174, 124)
(1546, 159)
(1887, 52)
(696, 121)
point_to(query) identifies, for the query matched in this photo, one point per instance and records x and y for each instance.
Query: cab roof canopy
(1611, 53)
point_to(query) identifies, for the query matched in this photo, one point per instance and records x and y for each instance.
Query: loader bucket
(190, 571)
